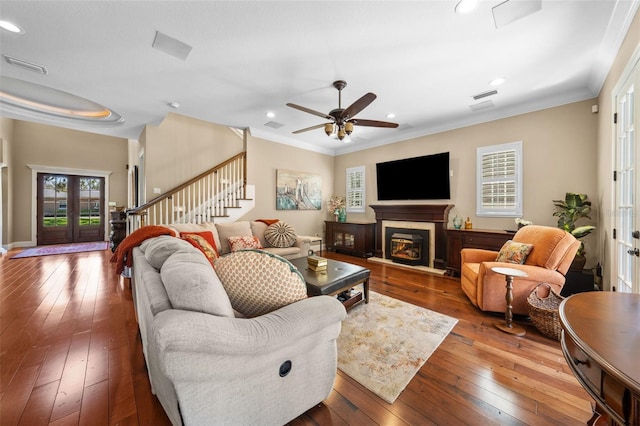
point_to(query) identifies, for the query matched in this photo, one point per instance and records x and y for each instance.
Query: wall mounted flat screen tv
(417, 178)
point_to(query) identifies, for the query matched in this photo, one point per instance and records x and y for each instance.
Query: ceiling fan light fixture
(348, 127)
(341, 120)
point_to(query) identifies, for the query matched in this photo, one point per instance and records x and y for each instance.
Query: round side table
(508, 326)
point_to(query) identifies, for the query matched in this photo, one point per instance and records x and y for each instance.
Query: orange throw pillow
(203, 245)
(207, 235)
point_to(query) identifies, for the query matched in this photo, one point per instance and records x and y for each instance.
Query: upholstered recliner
(208, 364)
(551, 254)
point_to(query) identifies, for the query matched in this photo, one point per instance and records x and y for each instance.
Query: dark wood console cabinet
(457, 239)
(353, 238)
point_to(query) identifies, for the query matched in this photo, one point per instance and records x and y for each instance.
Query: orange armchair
(548, 261)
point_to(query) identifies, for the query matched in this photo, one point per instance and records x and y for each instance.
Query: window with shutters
(499, 180)
(355, 190)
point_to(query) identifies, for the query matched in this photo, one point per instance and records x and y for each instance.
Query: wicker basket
(543, 310)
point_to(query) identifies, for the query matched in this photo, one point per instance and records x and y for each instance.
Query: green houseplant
(575, 206)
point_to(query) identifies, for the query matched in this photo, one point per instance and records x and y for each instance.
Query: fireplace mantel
(435, 213)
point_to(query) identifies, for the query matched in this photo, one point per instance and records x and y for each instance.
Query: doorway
(70, 208)
(627, 185)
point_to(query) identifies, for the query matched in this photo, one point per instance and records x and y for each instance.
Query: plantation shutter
(499, 180)
(355, 189)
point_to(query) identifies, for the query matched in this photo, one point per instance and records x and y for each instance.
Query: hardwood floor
(70, 354)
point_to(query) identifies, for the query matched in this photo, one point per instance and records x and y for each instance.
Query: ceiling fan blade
(310, 111)
(359, 105)
(374, 123)
(317, 126)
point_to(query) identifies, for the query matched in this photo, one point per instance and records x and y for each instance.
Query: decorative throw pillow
(231, 229)
(244, 243)
(207, 235)
(258, 282)
(202, 244)
(280, 234)
(193, 285)
(512, 252)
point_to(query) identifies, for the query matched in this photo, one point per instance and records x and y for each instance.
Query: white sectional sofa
(207, 365)
(222, 231)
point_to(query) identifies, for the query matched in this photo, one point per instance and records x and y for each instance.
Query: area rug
(384, 343)
(62, 249)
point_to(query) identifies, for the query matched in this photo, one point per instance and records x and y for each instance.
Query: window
(355, 190)
(499, 180)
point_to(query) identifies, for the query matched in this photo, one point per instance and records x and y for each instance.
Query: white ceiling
(423, 61)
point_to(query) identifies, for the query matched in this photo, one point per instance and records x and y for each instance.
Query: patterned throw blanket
(122, 256)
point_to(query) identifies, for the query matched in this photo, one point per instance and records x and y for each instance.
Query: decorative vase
(336, 214)
(457, 222)
(342, 215)
(468, 224)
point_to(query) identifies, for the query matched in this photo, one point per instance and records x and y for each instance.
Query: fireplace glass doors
(407, 246)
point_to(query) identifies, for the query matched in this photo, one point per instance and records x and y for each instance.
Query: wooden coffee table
(338, 277)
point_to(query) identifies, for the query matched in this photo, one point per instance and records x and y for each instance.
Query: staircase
(220, 194)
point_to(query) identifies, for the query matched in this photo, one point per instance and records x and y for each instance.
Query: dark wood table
(601, 343)
(339, 277)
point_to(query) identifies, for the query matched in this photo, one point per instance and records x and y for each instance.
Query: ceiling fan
(343, 119)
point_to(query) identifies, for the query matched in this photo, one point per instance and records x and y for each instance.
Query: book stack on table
(317, 263)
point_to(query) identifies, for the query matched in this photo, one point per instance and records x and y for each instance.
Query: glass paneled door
(627, 187)
(70, 209)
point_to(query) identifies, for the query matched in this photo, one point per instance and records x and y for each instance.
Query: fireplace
(406, 248)
(433, 217)
(407, 245)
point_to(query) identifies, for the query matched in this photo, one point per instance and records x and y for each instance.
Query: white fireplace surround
(428, 226)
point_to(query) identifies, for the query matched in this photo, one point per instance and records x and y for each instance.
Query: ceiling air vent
(25, 64)
(171, 46)
(485, 94)
(273, 124)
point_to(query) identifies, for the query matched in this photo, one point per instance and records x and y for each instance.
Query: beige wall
(263, 159)
(6, 146)
(169, 150)
(605, 150)
(42, 145)
(559, 153)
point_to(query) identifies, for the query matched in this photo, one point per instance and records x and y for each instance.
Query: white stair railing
(201, 199)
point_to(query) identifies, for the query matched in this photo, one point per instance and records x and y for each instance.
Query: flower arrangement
(335, 204)
(521, 222)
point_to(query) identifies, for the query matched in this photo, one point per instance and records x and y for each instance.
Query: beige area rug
(383, 344)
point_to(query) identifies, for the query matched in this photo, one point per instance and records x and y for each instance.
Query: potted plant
(574, 207)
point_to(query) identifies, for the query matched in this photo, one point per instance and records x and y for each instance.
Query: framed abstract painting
(298, 190)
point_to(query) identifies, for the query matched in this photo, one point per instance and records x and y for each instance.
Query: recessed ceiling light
(497, 82)
(465, 6)
(270, 114)
(174, 105)
(390, 115)
(11, 27)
